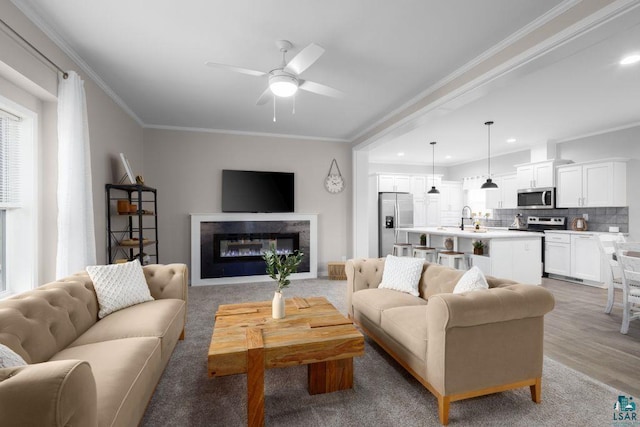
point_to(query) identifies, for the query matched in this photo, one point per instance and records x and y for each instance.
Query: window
(18, 215)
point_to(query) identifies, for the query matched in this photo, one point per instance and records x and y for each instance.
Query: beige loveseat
(83, 371)
(457, 345)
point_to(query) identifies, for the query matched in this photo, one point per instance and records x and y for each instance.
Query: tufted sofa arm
(498, 333)
(35, 395)
(167, 280)
(362, 273)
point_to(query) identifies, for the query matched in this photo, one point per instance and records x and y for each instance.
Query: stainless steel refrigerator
(395, 210)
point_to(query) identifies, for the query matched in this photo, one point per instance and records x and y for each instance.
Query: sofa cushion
(160, 318)
(119, 286)
(472, 280)
(371, 302)
(408, 326)
(402, 274)
(9, 358)
(126, 372)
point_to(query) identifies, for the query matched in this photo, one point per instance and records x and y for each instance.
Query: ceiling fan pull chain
(294, 104)
(274, 109)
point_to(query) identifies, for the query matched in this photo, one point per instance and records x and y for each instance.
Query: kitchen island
(515, 255)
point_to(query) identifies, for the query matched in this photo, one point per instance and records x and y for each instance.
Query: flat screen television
(255, 191)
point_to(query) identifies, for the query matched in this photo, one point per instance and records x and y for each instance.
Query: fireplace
(250, 247)
(228, 248)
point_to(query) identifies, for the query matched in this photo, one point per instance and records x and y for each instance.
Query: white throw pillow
(9, 358)
(402, 274)
(472, 280)
(119, 286)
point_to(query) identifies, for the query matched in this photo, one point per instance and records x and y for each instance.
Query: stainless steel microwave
(537, 198)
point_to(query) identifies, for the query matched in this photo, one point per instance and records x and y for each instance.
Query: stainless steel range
(540, 224)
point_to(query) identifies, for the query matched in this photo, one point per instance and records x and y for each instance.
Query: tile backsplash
(600, 219)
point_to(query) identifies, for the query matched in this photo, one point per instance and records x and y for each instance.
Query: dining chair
(628, 254)
(613, 274)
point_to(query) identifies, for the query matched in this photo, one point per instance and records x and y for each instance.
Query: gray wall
(499, 165)
(186, 168)
(27, 80)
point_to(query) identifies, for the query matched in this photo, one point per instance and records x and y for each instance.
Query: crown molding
(32, 14)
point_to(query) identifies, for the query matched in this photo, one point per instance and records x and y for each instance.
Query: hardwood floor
(579, 334)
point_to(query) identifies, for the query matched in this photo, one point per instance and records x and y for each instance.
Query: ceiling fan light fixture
(283, 85)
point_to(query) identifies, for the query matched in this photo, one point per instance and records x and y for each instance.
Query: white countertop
(581, 232)
(471, 233)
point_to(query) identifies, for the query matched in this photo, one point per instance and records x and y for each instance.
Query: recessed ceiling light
(631, 59)
(447, 156)
(511, 140)
(400, 154)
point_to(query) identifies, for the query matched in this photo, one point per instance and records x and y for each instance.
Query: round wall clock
(334, 183)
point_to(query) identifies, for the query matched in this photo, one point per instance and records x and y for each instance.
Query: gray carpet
(383, 394)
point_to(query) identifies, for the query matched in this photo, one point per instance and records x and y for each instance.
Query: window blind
(10, 161)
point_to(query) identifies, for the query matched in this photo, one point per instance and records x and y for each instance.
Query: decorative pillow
(9, 358)
(472, 280)
(402, 274)
(119, 286)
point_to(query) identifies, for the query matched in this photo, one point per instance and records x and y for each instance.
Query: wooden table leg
(255, 378)
(333, 375)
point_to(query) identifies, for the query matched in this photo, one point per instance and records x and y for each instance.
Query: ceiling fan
(284, 80)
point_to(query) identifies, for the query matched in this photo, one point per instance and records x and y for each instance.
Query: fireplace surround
(228, 247)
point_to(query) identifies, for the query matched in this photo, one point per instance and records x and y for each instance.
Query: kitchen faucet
(463, 217)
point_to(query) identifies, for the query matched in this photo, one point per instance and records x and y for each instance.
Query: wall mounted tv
(255, 191)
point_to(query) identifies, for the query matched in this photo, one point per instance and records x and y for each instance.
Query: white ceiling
(382, 54)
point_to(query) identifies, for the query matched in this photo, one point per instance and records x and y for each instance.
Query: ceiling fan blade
(236, 69)
(320, 89)
(304, 59)
(265, 97)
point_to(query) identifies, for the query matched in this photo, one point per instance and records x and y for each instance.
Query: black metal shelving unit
(130, 234)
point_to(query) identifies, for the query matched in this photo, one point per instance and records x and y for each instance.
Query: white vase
(277, 306)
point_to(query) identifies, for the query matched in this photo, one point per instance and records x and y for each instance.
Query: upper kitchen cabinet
(593, 184)
(506, 195)
(537, 175)
(400, 183)
(451, 198)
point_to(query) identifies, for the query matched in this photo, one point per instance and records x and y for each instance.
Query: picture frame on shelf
(127, 168)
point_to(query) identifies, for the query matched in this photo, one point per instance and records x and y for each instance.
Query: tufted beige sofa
(83, 371)
(457, 345)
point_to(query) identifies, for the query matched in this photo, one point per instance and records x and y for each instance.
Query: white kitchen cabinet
(536, 175)
(594, 184)
(419, 212)
(513, 258)
(585, 257)
(574, 255)
(557, 254)
(506, 195)
(399, 183)
(419, 186)
(433, 210)
(450, 202)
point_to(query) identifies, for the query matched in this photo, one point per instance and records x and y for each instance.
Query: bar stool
(402, 249)
(424, 252)
(450, 258)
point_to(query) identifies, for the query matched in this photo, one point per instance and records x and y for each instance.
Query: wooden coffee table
(247, 340)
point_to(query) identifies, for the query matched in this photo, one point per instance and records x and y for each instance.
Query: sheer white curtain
(76, 238)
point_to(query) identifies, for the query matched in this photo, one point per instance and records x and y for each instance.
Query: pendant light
(433, 190)
(489, 185)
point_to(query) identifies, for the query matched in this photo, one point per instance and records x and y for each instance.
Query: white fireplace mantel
(198, 218)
